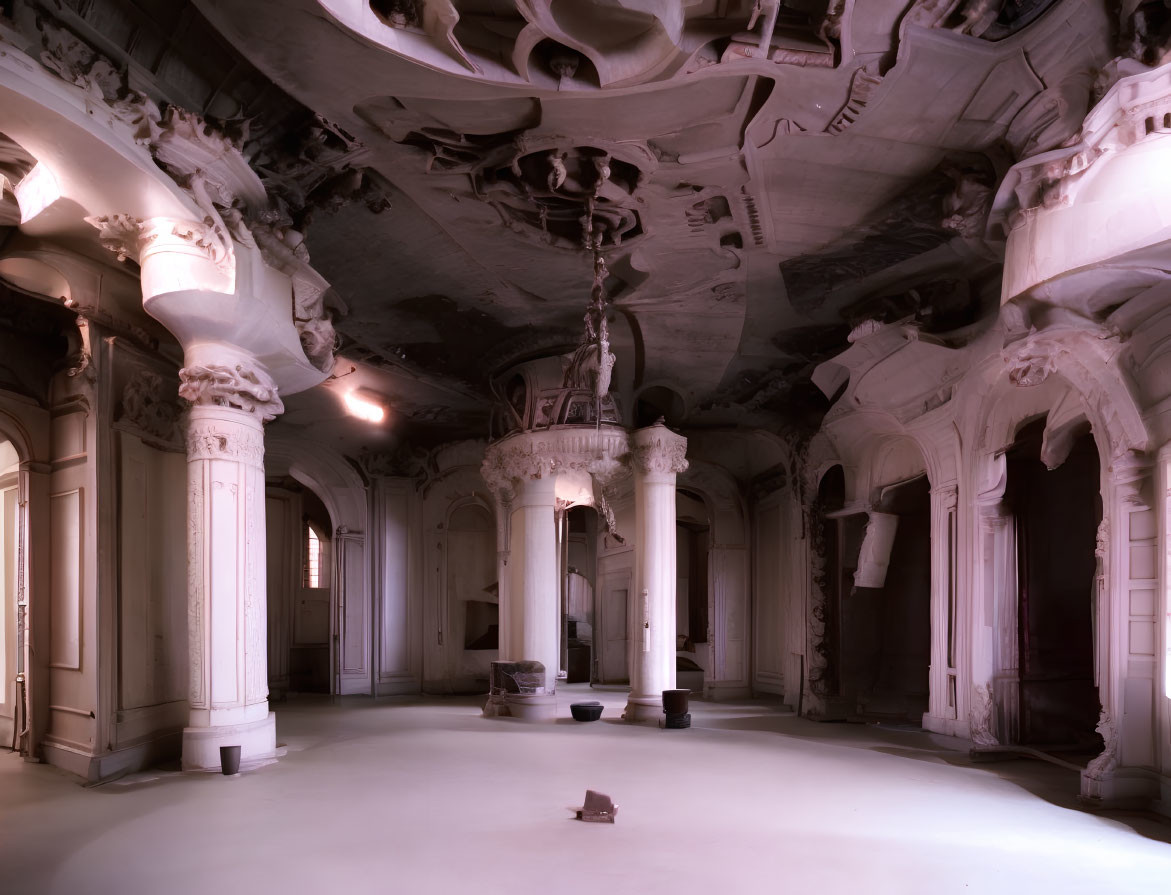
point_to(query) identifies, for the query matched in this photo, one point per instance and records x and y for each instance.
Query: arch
(1083, 359)
(1069, 376)
(455, 486)
(897, 458)
(25, 426)
(339, 486)
(342, 491)
(729, 607)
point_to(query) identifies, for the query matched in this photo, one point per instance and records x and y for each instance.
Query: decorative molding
(236, 202)
(217, 440)
(1107, 761)
(243, 388)
(535, 455)
(981, 717)
(1129, 471)
(147, 408)
(72, 60)
(659, 451)
(402, 461)
(120, 233)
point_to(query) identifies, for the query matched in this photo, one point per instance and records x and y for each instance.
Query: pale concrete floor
(425, 796)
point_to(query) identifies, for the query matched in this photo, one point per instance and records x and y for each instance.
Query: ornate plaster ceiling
(759, 178)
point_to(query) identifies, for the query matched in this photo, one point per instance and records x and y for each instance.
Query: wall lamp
(365, 405)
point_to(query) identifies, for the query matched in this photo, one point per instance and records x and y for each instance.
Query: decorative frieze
(210, 439)
(534, 455)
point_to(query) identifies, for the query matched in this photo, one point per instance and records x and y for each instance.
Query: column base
(522, 706)
(640, 709)
(201, 745)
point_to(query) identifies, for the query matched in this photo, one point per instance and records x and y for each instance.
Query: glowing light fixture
(365, 405)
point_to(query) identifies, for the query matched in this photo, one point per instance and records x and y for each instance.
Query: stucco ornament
(145, 406)
(534, 455)
(243, 388)
(210, 165)
(660, 452)
(1107, 761)
(980, 717)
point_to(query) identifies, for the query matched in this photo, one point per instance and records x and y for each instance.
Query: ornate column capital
(659, 451)
(230, 381)
(1129, 472)
(559, 449)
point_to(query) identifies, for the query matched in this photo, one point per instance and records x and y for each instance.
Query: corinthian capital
(658, 450)
(236, 385)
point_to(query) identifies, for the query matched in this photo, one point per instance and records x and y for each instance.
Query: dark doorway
(580, 580)
(693, 653)
(309, 657)
(1057, 514)
(887, 630)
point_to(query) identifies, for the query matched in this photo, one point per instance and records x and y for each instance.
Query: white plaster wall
(615, 596)
(152, 612)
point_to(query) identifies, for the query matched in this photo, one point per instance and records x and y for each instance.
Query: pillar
(533, 594)
(232, 397)
(658, 456)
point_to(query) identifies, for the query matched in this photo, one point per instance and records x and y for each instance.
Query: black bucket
(230, 760)
(675, 701)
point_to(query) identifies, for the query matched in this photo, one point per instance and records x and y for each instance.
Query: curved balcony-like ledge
(577, 456)
(1103, 202)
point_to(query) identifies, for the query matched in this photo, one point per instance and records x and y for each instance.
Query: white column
(659, 455)
(232, 397)
(533, 595)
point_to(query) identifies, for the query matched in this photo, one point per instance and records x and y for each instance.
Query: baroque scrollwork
(981, 717)
(238, 205)
(146, 407)
(1107, 761)
(249, 389)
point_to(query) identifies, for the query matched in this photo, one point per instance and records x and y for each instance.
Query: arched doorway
(886, 624)
(13, 704)
(580, 581)
(301, 579)
(1055, 514)
(876, 614)
(692, 598)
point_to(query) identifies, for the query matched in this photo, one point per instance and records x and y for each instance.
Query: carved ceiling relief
(616, 43)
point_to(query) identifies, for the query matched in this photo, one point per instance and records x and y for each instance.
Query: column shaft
(226, 588)
(658, 457)
(533, 594)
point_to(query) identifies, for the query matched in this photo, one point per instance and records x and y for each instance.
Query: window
(313, 553)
